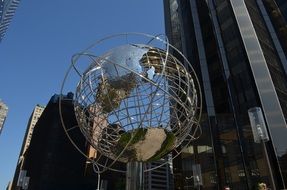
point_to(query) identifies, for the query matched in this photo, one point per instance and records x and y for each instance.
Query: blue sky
(37, 48)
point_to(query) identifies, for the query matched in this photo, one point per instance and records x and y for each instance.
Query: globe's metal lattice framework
(134, 100)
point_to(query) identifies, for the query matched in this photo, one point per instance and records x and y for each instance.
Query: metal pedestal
(134, 176)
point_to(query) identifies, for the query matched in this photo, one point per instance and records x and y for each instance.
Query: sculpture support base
(134, 176)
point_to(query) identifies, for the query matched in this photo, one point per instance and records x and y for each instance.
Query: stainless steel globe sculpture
(136, 101)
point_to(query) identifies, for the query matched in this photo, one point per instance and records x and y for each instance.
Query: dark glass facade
(282, 4)
(238, 54)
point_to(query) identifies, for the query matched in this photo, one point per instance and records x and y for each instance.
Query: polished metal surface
(134, 176)
(133, 87)
(134, 101)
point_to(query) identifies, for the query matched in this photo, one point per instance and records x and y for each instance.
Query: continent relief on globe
(111, 92)
(145, 144)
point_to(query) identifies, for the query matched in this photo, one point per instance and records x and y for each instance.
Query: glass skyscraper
(238, 49)
(7, 11)
(3, 114)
